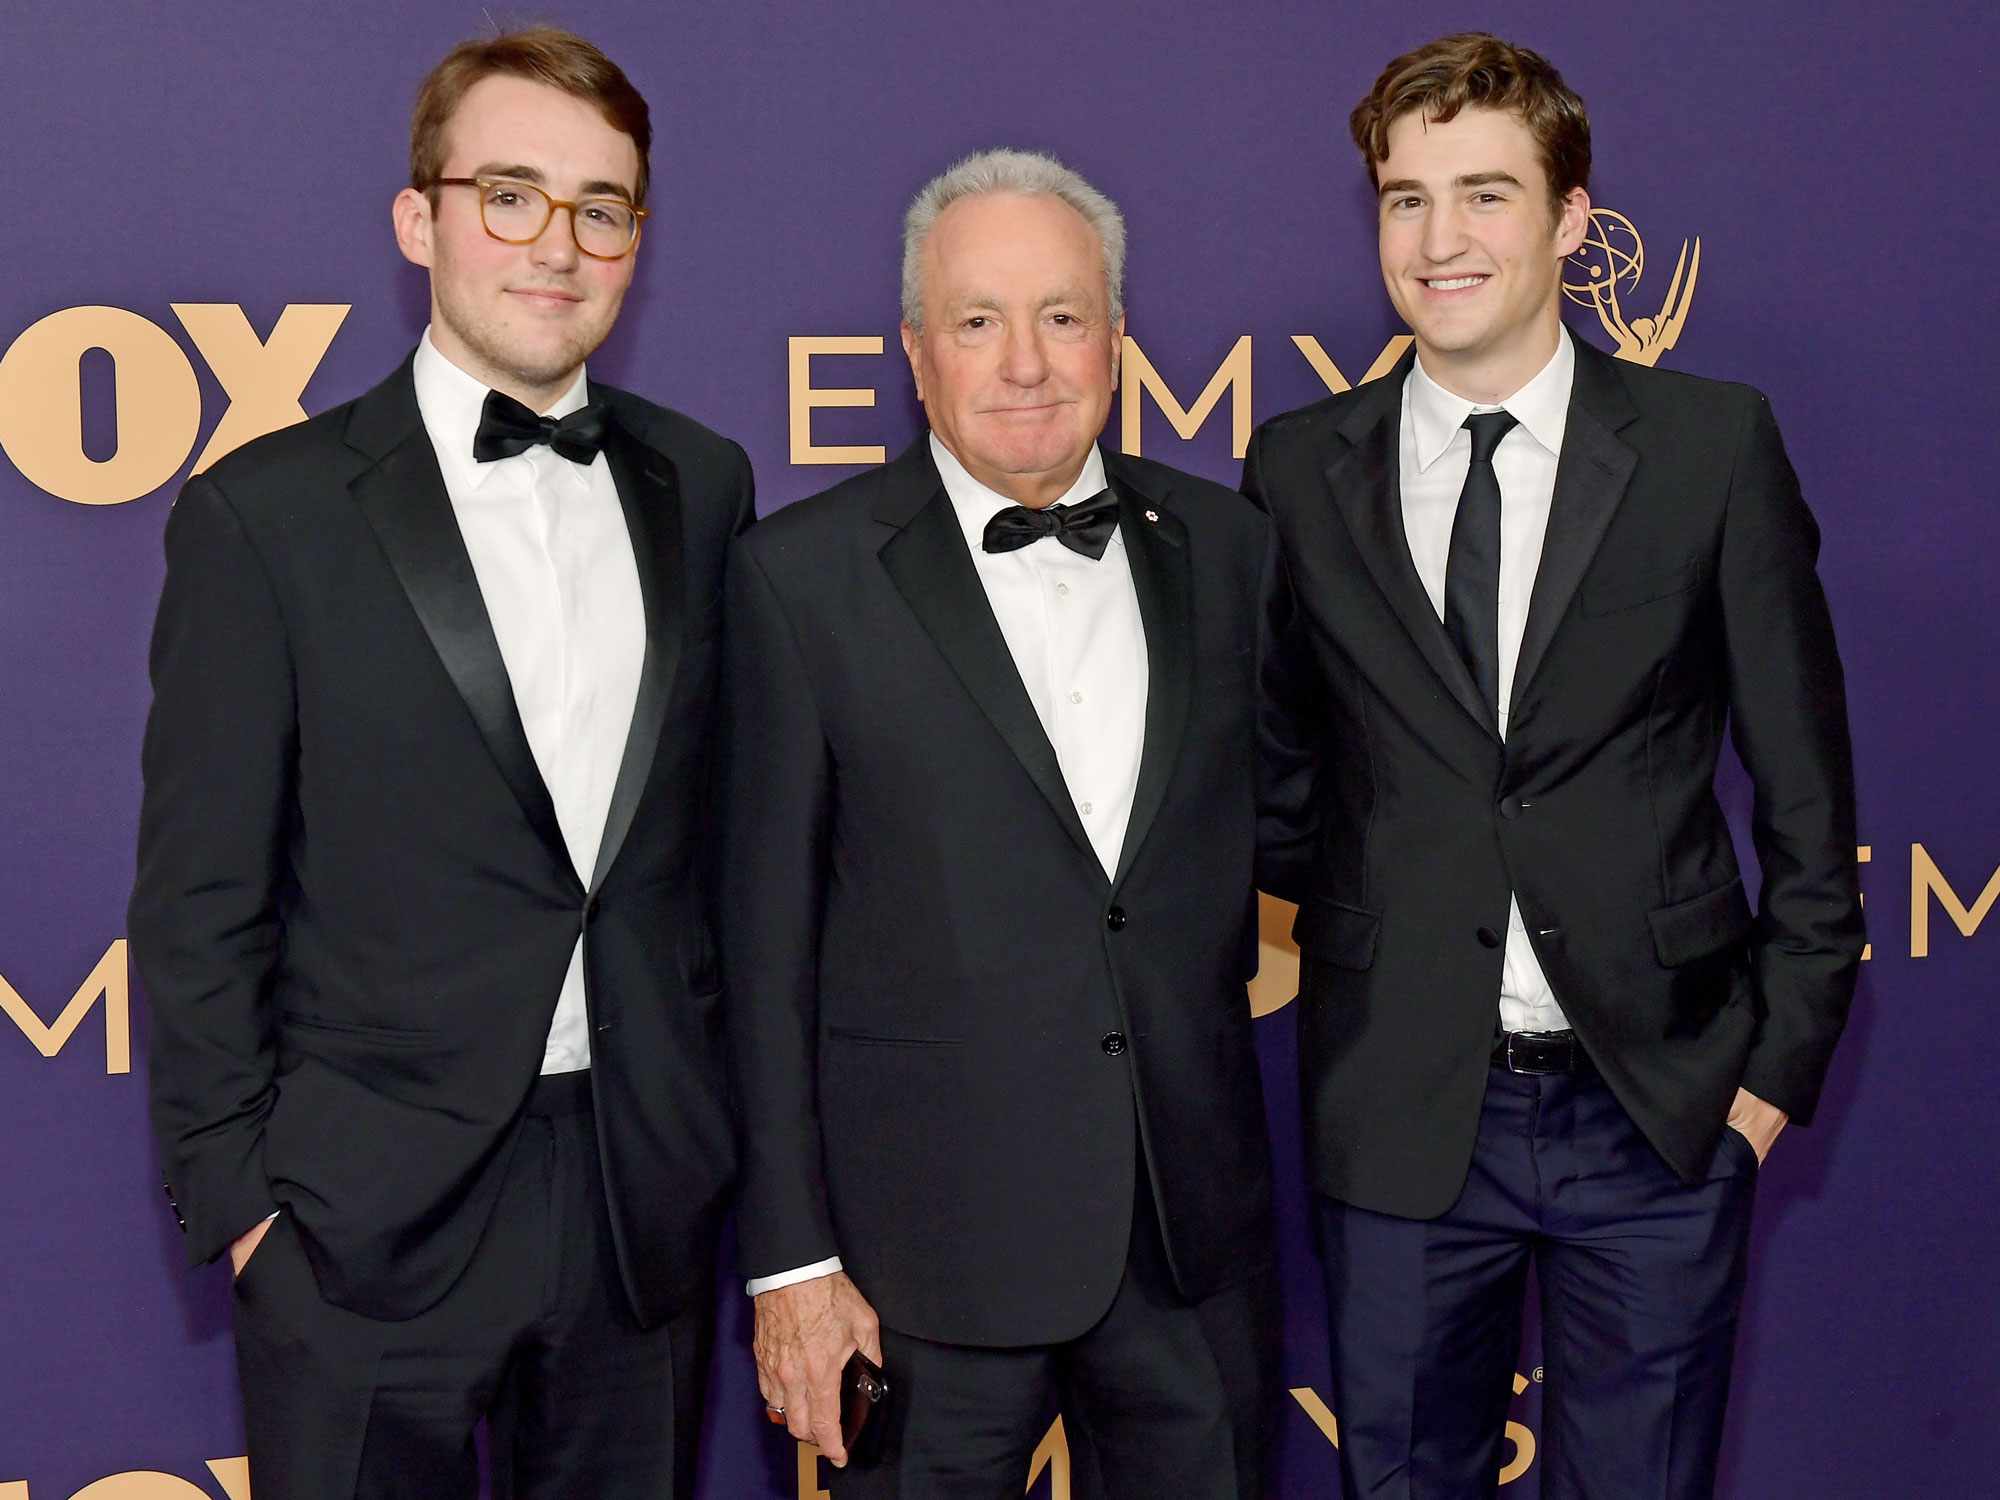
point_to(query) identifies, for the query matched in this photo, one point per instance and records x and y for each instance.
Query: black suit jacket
(354, 908)
(926, 960)
(1676, 596)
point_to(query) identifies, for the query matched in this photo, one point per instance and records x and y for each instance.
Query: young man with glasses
(421, 896)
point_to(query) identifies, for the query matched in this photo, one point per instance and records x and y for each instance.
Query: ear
(1117, 347)
(912, 351)
(1573, 222)
(411, 215)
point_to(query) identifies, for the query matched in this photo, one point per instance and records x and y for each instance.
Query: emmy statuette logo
(1613, 257)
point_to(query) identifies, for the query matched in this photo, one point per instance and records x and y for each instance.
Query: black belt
(1540, 1052)
(560, 1094)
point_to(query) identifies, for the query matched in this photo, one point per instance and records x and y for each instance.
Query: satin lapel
(650, 495)
(1156, 545)
(403, 498)
(1367, 490)
(1591, 478)
(930, 567)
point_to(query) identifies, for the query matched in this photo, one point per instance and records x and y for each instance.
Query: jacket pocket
(1336, 932)
(887, 1039)
(1693, 929)
(389, 1036)
(1614, 594)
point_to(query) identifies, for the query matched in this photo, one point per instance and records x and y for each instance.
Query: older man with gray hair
(990, 812)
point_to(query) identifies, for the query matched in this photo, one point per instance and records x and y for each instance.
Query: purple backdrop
(244, 154)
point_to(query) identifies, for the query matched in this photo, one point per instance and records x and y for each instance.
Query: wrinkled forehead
(1014, 248)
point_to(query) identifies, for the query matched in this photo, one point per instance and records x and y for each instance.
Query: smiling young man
(1540, 1022)
(422, 897)
(990, 816)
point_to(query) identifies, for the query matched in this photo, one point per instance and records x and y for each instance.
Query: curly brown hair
(1474, 69)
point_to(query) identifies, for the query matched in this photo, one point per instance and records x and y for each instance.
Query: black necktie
(506, 428)
(1472, 567)
(1085, 527)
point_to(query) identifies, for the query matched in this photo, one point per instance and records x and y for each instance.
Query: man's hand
(1757, 1122)
(246, 1245)
(804, 1335)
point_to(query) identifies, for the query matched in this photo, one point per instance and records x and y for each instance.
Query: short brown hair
(1475, 69)
(541, 54)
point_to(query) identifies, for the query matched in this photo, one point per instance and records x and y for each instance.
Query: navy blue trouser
(1641, 1278)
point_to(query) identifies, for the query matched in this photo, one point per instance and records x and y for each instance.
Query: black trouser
(1641, 1278)
(1161, 1398)
(537, 1336)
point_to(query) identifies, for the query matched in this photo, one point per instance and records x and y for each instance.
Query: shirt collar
(975, 504)
(451, 403)
(1541, 406)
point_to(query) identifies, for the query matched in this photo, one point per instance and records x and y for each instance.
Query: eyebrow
(522, 172)
(1468, 180)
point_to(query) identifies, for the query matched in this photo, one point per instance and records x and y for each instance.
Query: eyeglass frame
(638, 214)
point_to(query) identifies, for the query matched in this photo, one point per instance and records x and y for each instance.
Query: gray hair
(1029, 174)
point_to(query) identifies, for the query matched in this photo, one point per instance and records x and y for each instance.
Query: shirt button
(1086, 809)
(1113, 1043)
(1062, 588)
(1075, 697)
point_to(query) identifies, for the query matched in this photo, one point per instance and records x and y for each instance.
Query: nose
(1444, 235)
(1024, 362)
(555, 246)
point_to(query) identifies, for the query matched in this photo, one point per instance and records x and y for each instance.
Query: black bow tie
(1085, 527)
(506, 428)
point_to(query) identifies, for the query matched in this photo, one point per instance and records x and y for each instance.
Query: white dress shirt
(1436, 454)
(1072, 626)
(554, 562)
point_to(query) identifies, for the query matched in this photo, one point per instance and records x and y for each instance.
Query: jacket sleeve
(1788, 717)
(775, 799)
(218, 759)
(1288, 717)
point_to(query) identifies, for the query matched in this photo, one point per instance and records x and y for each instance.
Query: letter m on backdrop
(108, 982)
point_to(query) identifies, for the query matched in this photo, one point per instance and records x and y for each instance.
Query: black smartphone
(863, 1389)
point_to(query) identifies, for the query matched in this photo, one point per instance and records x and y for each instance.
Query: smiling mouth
(1454, 283)
(544, 294)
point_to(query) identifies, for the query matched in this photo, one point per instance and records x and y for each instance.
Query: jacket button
(1510, 807)
(1115, 920)
(1488, 938)
(1113, 1043)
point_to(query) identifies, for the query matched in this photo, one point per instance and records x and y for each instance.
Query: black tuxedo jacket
(354, 908)
(957, 1039)
(1676, 596)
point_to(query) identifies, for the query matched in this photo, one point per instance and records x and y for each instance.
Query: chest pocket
(1629, 592)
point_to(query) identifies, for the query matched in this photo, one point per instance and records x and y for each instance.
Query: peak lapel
(926, 560)
(1366, 481)
(649, 493)
(402, 495)
(1591, 478)
(1158, 552)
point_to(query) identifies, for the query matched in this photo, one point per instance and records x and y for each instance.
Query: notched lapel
(404, 500)
(927, 561)
(1366, 483)
(1156, 546)
(649, 493)
(1591, 478)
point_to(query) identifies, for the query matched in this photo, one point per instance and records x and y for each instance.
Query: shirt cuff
(756, 1286)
